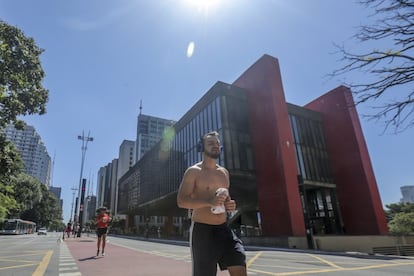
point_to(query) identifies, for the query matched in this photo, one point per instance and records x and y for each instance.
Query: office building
(149, 132)
(57, 192)
(407, 194)
(33, 152)
(126, 157)
(125, 161)
(106, 185)
(90, 208)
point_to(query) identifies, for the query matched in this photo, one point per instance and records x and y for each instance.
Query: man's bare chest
(211, 181)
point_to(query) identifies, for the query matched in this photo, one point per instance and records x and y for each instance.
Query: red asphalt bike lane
(123, 261)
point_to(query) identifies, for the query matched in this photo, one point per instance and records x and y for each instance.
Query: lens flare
(166, 142)
(190, 49)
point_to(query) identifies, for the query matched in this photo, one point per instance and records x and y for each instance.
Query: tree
(392, 69)
(46, 212)
(402, 224)
(21, 75)
(21, 93)
(10, 165)
(400, 218)
(27, 192)
(7, 202)
(396, 208)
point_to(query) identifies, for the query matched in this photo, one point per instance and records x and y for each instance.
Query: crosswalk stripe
(67, 265)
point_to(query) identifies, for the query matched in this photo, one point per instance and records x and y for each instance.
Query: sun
(203, 4)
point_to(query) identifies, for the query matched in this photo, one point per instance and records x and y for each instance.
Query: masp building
(294, 171)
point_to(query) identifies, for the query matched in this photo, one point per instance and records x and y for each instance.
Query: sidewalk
(123, 261)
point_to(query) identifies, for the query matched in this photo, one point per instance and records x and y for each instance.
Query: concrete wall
(359, 243)
(364, 244)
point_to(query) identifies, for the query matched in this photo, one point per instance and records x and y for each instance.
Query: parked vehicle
(42, 231)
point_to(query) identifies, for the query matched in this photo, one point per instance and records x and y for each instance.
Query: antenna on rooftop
(92, 193)
(89, 184)
(53, 168)
(140, 107)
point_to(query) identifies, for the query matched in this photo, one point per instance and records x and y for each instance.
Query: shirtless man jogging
(212, 241)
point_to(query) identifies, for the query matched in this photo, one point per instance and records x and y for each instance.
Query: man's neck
(208, 163)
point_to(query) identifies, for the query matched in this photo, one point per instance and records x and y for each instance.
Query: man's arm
(185, 198)
(229, 204)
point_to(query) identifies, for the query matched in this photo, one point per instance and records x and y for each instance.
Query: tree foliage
(27, 192)
(10, 166)
(11, 163)
(21, 93)
(402, 224)
(46, 212)
(7, 202)
(392, 69)
(21, 75)
(396, 208)
(400, 218)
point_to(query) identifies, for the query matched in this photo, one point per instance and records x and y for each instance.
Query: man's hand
(230, 205)
(218, 200)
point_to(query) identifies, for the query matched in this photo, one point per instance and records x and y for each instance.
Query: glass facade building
(149, 132)
(33, 152)
(316, 183)
(288, 175)
(150, 186)
(407, 194)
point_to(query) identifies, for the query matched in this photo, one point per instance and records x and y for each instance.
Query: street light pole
(85, 141)
(72, 214)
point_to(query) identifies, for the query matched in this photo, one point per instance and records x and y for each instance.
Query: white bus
(18, 227)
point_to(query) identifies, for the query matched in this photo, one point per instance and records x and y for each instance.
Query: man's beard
(213, 155)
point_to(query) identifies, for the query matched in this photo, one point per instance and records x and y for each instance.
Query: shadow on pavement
(88, 259)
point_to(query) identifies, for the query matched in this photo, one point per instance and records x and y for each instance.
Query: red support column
(276, 169)
(359, 199)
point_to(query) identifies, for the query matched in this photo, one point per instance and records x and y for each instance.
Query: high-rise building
(126, 158)
(57, 192)
(106, 185)
(90, 207)
(407, 194)
(149, 132)
(33, 152)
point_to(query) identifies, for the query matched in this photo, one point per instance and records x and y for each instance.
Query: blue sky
(103, 56)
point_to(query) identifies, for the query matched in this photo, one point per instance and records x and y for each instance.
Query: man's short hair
(200, 144)
(102, 209)
(211, 133)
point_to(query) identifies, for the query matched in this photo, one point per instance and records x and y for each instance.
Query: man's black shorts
(101, 231)
(212, 245)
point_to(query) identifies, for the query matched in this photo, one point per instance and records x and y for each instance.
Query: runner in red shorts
(101, 221)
